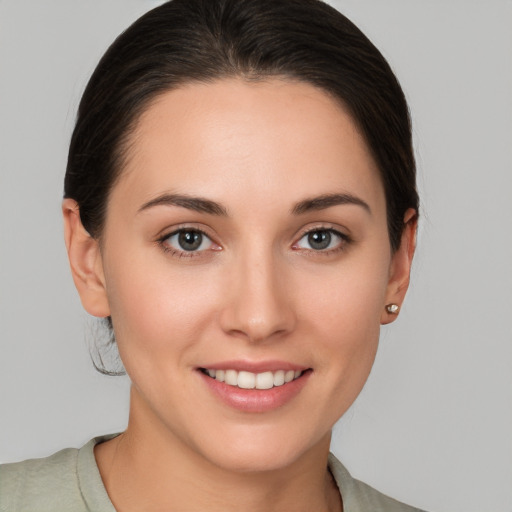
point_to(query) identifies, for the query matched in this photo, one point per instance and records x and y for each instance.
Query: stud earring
(393, 308)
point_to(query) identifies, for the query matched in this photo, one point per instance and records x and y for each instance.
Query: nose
(259, 302)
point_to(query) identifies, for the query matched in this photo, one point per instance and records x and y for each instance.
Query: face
(246, 245)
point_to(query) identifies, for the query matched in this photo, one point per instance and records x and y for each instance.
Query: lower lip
(256, 400)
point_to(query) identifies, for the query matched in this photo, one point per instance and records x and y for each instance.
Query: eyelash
(182, 253)
(345, 240)
(342, 245)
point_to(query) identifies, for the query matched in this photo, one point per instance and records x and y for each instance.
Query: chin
(253, 461)
(262, 450)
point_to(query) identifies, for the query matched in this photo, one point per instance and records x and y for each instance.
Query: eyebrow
(198, 204)
(326, 201)
(203, 205)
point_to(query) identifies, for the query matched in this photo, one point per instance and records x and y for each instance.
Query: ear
(400, 268)
(85, 261)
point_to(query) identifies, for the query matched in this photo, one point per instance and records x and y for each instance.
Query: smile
(249, 380)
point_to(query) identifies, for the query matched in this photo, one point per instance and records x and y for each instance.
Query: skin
(257, 291)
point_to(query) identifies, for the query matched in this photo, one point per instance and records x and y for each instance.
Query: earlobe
(85, 261)
(400, 269)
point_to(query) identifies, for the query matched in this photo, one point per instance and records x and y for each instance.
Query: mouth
(249, 380)
(269, 386)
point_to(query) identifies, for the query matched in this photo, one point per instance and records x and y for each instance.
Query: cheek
(344, 322)
(347, 300)
(158, 313)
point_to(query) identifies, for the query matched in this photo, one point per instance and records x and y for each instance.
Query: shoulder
(360, 497)
(66, 480)
(23, 484)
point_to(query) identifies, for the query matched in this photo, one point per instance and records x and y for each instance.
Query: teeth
(249, 380)
(246, 380)
(264, 380)
(279, 378)
(289, 375)
(230, 377)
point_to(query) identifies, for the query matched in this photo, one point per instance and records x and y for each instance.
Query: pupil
(319, 239)
(190, 240)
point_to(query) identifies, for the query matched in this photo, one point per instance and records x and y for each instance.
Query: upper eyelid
(167, 232)
(344, 238)
(175, 232)
(323, 227)
(177, 252)
(162, 240)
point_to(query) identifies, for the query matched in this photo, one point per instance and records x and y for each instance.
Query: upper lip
(254, 366)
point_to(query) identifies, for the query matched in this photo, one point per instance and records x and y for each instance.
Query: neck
(149, 468)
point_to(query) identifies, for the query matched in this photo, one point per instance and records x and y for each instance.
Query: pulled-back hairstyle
(184, 41)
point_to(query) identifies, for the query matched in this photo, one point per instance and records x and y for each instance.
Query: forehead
(265, 141)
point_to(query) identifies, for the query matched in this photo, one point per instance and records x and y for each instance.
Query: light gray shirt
(69, 481)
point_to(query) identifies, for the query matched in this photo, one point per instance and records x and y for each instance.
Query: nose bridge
(259, 306)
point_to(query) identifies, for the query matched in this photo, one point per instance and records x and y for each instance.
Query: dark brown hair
(203, 40)
(185, 41)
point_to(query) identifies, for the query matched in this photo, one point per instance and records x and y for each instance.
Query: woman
(240, 205)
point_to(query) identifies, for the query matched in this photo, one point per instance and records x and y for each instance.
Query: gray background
(434, 424)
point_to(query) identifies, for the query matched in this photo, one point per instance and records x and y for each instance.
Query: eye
(188, 240)
(321, 240)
